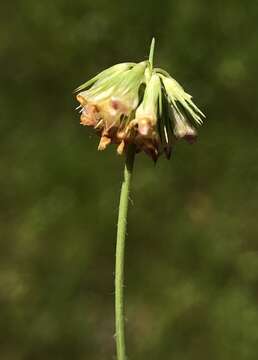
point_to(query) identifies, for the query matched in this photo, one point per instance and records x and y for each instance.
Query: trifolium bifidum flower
(131, 103)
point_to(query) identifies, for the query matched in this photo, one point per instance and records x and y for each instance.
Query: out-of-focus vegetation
(192, 253)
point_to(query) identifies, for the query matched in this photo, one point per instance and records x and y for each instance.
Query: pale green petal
(149, 105)
(131, 80)
(118, 68)
(176, 94)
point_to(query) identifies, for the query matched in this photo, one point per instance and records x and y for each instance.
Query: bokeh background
(192, 252)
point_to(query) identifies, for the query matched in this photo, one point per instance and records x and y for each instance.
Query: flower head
(133, 103)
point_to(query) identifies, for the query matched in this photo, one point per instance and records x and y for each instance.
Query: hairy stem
(120, 251)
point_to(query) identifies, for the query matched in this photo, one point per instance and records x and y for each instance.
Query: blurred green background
(192, 251)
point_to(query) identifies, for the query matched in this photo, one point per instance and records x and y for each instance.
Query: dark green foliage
(192, 253)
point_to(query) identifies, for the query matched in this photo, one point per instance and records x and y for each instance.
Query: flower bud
(145, 122)
(177, 95)
(112, 96)
(146, 113)
(182, 128)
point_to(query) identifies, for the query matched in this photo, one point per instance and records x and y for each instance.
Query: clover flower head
(133, 103)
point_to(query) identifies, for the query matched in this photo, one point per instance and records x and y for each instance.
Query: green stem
(151, 54)
(120, 251)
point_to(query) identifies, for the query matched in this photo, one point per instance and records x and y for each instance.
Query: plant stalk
(151, 53)
(120, 251)
(120, 242)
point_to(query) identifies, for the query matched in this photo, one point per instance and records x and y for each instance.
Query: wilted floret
(132, 103)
